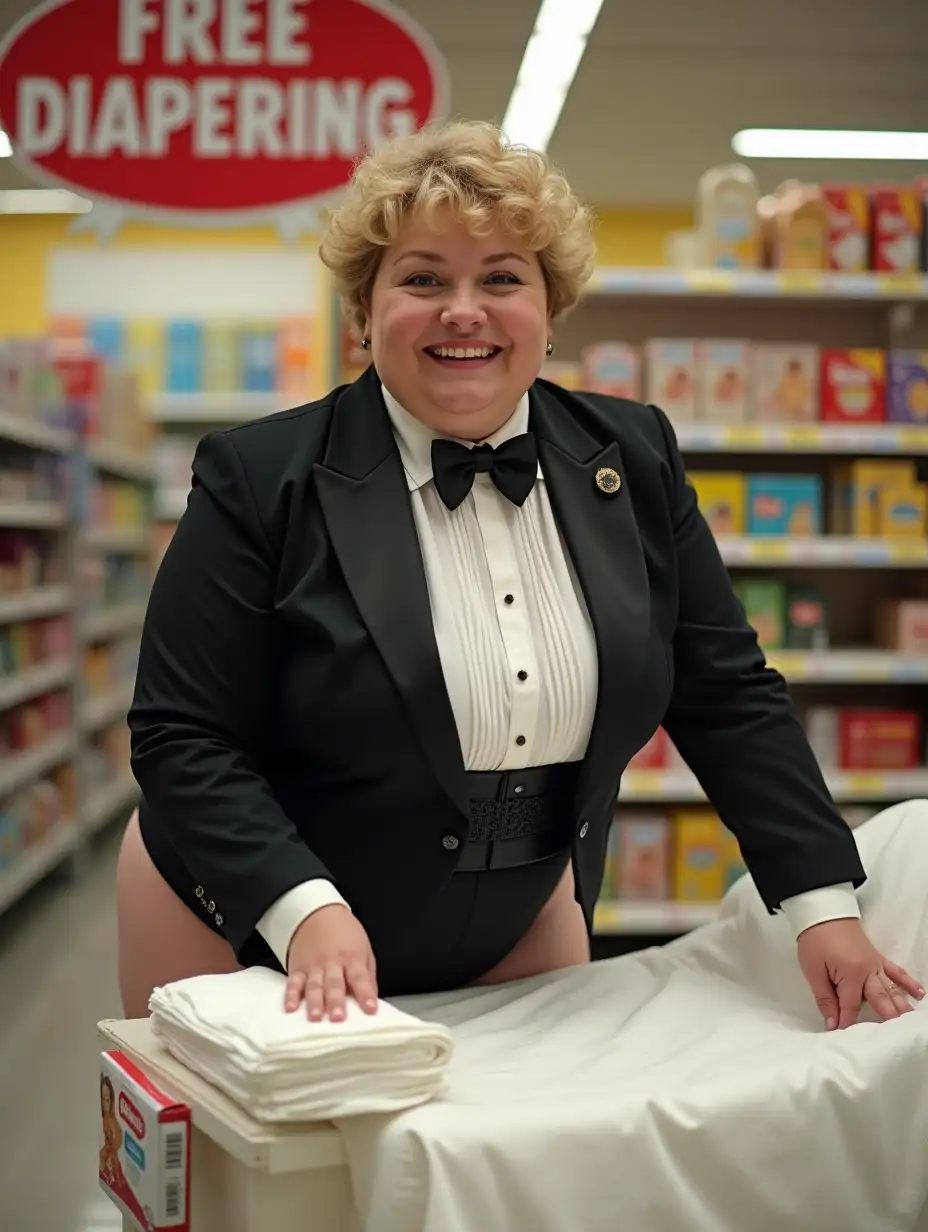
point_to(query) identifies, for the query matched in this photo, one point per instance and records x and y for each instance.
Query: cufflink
(608, 480)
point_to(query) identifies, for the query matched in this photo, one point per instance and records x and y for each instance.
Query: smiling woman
(455, 254)
(381, 730)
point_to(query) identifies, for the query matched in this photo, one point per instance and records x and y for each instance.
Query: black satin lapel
(602, 537)
(371, 528)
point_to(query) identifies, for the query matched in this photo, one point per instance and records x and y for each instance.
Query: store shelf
(107, 802)
(114, 620)
(826, 551)
(759, 284)
(36, 863)
(221, 408)
(120, 460)
(109, 707)
(849, 666)
(170, 504)
(652, 917)
(32, 515)
(33, 682)
(33, 604)
(129, 540)
(18, 769)
(18, 431)
(802, 438)
(845, 785)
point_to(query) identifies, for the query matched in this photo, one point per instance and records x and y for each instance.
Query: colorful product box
(896, 226)
(671, 377)
(107, 336)
(878, 739)
(222, 357)
(643, 858)
(732, 861)
(145, 354)
(907, 399)
(607, 891)
(259, 358)
(184, 357)
(902, 624)
(856, 493)
(721, 496)
(853, 386)
(294, 357)
(848, 227)
(786, 383)
(612, 368)
(723, 370)
(144, 1148)
(806, 618)
(903, 512)
(698, 868)
(764, 605)
(784, 505)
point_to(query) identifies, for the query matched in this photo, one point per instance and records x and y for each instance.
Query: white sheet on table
(691, 1087)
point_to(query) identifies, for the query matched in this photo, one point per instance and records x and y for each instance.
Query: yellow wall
(623, 237)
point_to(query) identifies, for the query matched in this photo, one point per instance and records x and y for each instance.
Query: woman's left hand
(844, 969)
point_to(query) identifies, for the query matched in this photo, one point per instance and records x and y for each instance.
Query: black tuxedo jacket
(290, 717)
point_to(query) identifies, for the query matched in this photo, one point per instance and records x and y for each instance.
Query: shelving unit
(72, 540)
(829, 310)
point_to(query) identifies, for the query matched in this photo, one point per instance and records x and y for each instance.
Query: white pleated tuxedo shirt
(515, 642)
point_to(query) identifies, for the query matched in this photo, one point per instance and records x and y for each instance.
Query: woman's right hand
(330, 959)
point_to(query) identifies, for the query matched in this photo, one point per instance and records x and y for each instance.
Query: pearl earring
(365, 343)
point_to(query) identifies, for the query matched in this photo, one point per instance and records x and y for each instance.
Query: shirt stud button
(520, 740)
(523, 675)
(450, 842)
(509, 599)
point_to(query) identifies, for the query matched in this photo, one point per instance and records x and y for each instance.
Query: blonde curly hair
(469, 167)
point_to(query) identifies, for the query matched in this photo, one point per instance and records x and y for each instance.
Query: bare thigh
(160, 940)
(557, 938)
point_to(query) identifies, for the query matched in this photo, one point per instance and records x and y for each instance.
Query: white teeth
(462, 352)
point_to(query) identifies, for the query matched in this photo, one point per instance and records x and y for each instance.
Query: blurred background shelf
(651, 918)
(794, 284)
(212, 407)
(114, 619)
(845, 785)
(17, 430)
(116, 798)
(35, 602)
(839, 439)
(56, 846)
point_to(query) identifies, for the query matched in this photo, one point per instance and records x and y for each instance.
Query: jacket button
(218, 919)
(200, 891)
(211, 907)
(584, 829)
(450, 842)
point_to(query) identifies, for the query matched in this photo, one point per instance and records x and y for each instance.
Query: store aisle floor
(57, 980)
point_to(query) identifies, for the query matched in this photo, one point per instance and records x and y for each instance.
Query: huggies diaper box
(144, 1145)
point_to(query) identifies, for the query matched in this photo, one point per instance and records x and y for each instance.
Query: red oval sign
(211, 107)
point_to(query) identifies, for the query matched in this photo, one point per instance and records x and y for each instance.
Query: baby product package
(671, 377)
(786, 383)
(144, 1148)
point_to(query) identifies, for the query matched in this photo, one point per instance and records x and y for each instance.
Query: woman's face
(482, 298)
(106, 1100)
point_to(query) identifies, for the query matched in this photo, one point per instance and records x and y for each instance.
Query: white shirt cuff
(283, 918)
(837, 902)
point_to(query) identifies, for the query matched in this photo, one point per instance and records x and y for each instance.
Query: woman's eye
(421, 280)
(503, 278)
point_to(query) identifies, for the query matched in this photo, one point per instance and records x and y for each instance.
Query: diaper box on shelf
(784, 505)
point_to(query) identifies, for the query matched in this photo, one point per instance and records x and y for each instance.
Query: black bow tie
(512, 466)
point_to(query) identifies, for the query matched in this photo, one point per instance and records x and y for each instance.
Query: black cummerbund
(518, 816)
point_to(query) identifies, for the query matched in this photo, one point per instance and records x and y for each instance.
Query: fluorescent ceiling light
(549, 65)
(6, 149)
(42, 201)
(830, 143)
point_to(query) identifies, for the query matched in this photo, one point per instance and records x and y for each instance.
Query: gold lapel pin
(608, 480)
